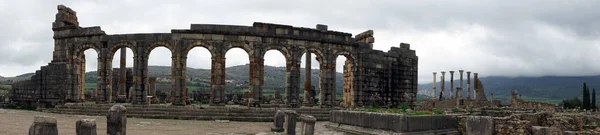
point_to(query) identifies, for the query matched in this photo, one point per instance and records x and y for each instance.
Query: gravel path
(17, 122)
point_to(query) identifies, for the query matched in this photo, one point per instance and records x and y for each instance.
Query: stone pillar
(152, 86)
(292, 89)
(116, 120)
(85, 127)
(459, 93)
(217, 80)
(327, 82)
(443, 85)
(140, 72)
(123, 73)
(308, 124)
(308, 101)
(256, 79)
(452, 85)
(468, 84)
(178, 79)
(475, 78)
(492, 97)
(433, 91)
(289, 125)
(278, 121)
(458, 97)
(43, 125)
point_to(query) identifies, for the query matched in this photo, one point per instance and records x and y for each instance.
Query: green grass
(506, 99)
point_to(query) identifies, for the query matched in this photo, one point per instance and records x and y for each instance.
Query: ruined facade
(391, 76)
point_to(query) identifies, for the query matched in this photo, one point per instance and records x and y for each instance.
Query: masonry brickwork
(391, 76)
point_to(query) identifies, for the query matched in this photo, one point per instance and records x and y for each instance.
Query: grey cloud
(507, 38)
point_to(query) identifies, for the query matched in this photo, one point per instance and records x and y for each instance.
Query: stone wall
(397, 123)
(515, 102)
(373, 77)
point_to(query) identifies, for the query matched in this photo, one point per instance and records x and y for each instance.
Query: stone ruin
(391, 75)
(515, 102)
(475, 97)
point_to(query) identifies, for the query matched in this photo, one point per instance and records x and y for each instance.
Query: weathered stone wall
(393, 122)
(515, 102)
(372, 76)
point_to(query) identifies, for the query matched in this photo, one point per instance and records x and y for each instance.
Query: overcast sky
(499, 38)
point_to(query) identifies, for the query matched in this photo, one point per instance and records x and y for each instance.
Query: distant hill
(550, 88)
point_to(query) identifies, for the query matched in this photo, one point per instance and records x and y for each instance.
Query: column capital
(468, 72)
(461, 71)
(451, 72)
(434, 73)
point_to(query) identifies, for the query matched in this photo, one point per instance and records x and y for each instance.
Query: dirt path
(17, 122)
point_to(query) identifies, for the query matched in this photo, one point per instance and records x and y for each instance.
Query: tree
(585, 97)
(594, 99)
(571, 103)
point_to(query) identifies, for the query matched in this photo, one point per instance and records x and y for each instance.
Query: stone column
(116, 120)
(292, 89)
(43, 125)
(458, 97)
(443, 85)
(327, 80)
(217, 80)
(85, 127)
(492, 97)
(307, 76)
(459, 93)
(152, 86)
(433, 88)
(475, 78)
(468, 84)
(178, 79)
(452, 85)
(278, 121)
(308, 124)
(256, 79)
(123, 73)
(289, 125)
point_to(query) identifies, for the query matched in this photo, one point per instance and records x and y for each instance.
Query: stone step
(188, 117)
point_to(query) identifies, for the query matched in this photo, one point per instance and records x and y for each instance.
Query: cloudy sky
(499, 38)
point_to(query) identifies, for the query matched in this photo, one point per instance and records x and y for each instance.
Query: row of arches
(199, 57)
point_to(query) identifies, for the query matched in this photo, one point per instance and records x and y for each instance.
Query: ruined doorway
(160, 64)
(86, 68)
(274, 77)
(198, 74)
(237, 73)
(344, 78)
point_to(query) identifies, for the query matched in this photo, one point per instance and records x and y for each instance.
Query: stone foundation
(392, 123)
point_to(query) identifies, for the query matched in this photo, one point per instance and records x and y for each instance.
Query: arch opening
(198, 74)
(122, 73)
(344, 80)
(312, 83)
(86, 68)
(160, 64)
(237, 73)
(274, 77)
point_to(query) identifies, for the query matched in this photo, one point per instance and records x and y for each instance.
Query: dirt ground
(17, 122)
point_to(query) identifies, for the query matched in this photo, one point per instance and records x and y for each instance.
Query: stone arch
(80, 48)
(282, 49)
(348, 55)
(188, 47)
(244, 46)
(116, 46)
(154, 45)
(318, 52)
